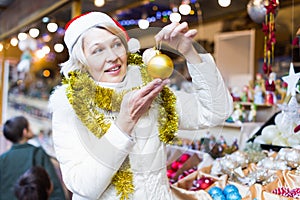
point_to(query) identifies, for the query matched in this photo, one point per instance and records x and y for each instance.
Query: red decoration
(175, 165)
(296, 41)
(202, 183)
(268, 29)
(205, 182)
(287, 192)
(297, 128)
(184, 157)
(171, 173)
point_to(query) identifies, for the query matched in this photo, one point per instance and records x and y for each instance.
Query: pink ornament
(175, 166)
(204, 182)
(170, 173)
(184, 157)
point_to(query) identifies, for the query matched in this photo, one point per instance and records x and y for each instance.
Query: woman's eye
(117, 44)
(98, 50)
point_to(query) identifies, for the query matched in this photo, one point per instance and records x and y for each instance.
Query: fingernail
(166, 81)
(158, 80)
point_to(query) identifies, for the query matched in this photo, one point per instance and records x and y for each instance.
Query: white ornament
(291, 80)
(280, 141)
(260, 140)
(269, 133)
(293, 140)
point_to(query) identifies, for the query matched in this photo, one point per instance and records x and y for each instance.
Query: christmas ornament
(218, 197)
(160, 66)
(292, 157)
(171, 173)
(256, 10)
(175, 165)
(268, 29)
(215, 190)
(280, 141)
(287, 192)
(205, 182)
(269, 133)
(291, 80)
(233, 196)
(184, 157)
(230, 188)
(202, 183)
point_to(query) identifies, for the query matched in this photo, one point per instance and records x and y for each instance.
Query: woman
(111, 122)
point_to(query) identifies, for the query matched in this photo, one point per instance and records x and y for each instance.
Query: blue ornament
(230, 188)
(218, 196)
(233, 196)
(215, 190)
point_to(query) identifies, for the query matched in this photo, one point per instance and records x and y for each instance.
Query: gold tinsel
(122, 181)
(86, 98)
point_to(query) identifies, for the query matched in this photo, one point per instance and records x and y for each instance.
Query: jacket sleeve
(87, 163)
(211, 103)
(42, 159)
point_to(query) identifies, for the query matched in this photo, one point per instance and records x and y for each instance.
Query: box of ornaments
(244, 175)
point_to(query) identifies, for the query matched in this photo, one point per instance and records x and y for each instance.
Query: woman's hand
(137, 103)
(180, 37)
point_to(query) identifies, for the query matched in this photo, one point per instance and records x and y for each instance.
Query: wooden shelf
(250, 103)
(233, 125)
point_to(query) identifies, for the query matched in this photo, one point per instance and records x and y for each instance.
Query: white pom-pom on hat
(148, 54)
(133, 45)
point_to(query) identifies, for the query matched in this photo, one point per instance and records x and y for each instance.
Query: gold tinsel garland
(86, 98)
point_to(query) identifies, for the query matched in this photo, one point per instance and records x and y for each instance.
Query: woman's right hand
(137, 103)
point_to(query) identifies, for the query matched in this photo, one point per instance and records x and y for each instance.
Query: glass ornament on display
(289, 117)
(256, 10)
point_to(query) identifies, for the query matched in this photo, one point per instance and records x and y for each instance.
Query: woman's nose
(111, 55)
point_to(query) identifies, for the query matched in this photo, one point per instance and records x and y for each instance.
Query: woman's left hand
(179, 37)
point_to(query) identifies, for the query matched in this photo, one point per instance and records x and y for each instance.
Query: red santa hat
(78, 25)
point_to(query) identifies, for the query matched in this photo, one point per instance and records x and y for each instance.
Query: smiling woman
(107, 59)
(112, 121)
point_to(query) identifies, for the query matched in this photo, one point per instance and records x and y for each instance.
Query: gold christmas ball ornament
(160, 66)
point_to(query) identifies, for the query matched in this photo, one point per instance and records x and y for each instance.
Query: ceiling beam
(32, 19)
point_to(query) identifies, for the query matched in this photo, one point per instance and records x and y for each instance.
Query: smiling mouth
(113, 69)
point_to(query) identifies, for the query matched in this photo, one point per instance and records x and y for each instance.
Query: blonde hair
(77, 59)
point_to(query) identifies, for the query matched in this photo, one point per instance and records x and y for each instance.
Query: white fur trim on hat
(83, 23)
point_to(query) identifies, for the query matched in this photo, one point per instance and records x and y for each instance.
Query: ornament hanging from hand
(159, 65)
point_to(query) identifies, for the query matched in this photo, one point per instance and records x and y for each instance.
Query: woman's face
(105, 54)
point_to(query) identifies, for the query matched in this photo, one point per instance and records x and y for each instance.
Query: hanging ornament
(160, 66)
(268, 28)
(256, 10)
